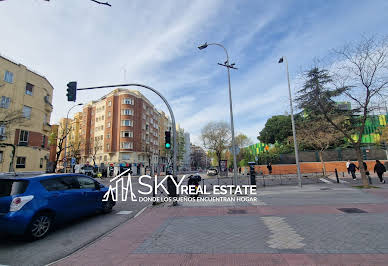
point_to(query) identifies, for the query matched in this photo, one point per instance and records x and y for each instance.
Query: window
(54, 184)
(70, 182)
(127, 112)
(41, 163)
(108, 136)
(23, 137)
(109, 114)
(108, 125)
(43, 141)
(27, 112)
(144, 116)
(126, 134)
(1, 156)
(2, 132)
(45, 119)
(128, 101)
(5, 102)
(29, 88)
(21, 162)
(8, 76)
(10, 187)
(126, 145)
(126, 123)
(107, 146)
(86, 182)
(110, 103)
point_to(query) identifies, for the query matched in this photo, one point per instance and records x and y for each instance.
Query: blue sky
(154, 43)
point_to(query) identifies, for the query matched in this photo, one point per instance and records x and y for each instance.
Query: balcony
(46, 127)
(47, 106)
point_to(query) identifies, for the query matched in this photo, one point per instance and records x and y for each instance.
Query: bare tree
(318, 134)
(360, 76)
(59, 137)
(98, 2)
(216, 137)
(7, 120)
(97, 145)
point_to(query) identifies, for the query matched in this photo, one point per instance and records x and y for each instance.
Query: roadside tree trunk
(323, 163)
(360, 161)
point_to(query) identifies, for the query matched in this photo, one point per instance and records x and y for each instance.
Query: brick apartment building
(121, 127)
(25, 110)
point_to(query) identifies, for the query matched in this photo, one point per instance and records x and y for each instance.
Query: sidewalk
(290, 226)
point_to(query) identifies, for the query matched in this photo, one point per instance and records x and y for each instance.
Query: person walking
(269, 167)
(347, 166)
(352, 169)
(367, 172)
(380, 169)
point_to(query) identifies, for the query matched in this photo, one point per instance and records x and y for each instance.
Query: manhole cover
(232, 211)
(352, 210)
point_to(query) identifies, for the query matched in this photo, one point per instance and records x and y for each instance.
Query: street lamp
(67, 118)
(292, 122)
(228, 66)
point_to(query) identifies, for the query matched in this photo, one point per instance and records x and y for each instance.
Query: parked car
(31, 206)
(212, 171)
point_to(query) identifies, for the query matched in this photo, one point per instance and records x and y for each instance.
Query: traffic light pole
(175, 147)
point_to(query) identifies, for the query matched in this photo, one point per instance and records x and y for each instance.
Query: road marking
(124, 212)
(141, 211)
(326, 181)
(282, 235)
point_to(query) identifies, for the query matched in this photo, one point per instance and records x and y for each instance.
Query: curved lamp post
(67, 118)
(228, 66)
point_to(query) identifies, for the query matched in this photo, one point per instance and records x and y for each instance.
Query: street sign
(237, 149)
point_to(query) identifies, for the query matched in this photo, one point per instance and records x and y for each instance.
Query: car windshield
(10, 187)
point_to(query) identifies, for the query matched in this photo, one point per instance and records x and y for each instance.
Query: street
(67, 239)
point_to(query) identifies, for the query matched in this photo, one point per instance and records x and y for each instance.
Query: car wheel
(108, 206)
(40, 226)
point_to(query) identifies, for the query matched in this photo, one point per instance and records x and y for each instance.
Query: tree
(59, 138)
(98, 2)
(97, 145)
(318, 134)
(7, 119)
(360, 77)
(277, 129)
(216, 137)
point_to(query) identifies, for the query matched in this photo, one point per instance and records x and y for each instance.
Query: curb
(97, 238)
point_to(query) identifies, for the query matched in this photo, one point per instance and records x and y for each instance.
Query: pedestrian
(380, 169)
(269, 166)
(352, 169)
(347, 166)
(367, 172)
(239, 170)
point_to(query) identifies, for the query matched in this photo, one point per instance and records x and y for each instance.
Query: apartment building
(121, 127)
(164, 125)
(25, 110)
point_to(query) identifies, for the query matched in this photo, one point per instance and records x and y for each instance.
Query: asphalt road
(66, 239)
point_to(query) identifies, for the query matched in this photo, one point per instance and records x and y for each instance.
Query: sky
(155, 43)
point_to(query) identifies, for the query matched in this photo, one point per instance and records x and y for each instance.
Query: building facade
(187, 152)
(122, 127)
(25, 111)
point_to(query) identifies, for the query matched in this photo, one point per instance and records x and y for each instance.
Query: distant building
(198, 157)
(187, 152)
(25, 110)
(122, 127)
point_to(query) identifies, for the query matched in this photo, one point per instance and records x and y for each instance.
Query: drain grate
(352, 210)
(233, 211)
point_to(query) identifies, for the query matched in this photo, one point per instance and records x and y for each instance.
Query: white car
(212, 171)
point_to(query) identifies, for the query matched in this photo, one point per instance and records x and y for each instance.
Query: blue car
(31, 206)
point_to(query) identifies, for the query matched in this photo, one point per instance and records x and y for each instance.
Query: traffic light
(71, 91)
(167, 137)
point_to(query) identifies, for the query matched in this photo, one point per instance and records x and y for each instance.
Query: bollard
(336, 175)
(153, 194)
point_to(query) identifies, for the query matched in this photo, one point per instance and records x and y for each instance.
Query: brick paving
(297, 232)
